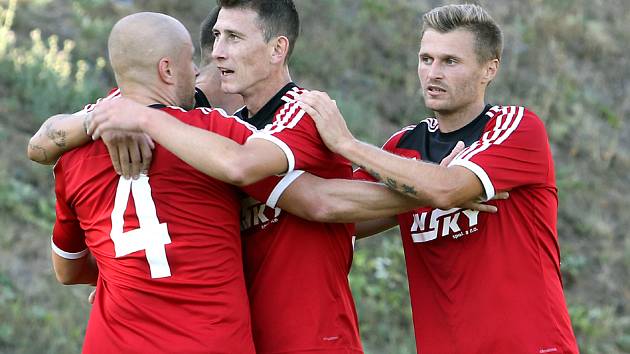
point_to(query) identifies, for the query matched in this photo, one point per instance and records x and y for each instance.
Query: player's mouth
(225, 72)
(434, 90)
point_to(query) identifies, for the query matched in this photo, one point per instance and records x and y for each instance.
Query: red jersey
(297, 270)
(167, 247)
(480, 282)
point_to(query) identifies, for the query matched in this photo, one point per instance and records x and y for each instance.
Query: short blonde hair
(470, 17)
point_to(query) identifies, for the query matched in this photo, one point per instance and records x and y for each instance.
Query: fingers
(113, 154)
(484, 208)
(146, 145)
(125, 165)
(458, 147)
(92, 296)
(456, 150)
(136, 158)
(149, 141)
(501, 196)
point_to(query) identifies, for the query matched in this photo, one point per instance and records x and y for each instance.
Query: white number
(151, 236)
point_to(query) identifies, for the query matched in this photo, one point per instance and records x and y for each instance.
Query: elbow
(66, 278)
(242, 171)
(238, 175)
(37, 153)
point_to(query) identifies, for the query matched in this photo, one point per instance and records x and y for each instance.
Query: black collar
(201, 100)
(265, 115)
(464, 132)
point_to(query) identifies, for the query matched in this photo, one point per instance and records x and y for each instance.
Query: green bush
(42, 77)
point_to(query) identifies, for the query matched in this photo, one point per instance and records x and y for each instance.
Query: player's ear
(165, 70)
(491, 68)
(279, 49)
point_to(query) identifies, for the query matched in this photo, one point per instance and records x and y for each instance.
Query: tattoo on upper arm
(42, 152)
(58, 136)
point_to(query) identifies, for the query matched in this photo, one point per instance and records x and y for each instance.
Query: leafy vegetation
(567, 60)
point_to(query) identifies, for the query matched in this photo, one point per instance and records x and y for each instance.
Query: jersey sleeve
(294, 131)
(389, 146)
(226, 125)
(512, 152)
(68, 239)
(270, 189)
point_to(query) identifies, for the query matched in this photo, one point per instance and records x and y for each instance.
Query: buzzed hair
(277, 17)
(470, 17)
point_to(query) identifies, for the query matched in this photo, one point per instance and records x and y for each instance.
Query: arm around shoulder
(59, 134)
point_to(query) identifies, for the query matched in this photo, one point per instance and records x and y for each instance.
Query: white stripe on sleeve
(67, 255)
(284, 183)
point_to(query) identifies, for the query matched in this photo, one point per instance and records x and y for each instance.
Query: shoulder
(113, 93)
(208, 118)
(512, 115)
(290, 113)
(398, 135)
(507, 119)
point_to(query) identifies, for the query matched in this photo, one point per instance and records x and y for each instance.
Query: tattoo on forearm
(372, 172)
(57, 136)
(43, 154)
(409, 190)
(392, 183)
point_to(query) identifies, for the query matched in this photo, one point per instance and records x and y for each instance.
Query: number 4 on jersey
(151, 236)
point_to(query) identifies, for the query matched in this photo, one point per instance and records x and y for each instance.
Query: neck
(148, 95)
(452, 121)
(264, 90)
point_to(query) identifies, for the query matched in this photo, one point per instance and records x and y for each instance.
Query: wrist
(346, 147)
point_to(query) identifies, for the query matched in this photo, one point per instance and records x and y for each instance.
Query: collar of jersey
(265, 115)
(463, 132)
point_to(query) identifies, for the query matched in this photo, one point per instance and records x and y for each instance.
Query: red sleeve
(294, 131)
(513, 151)
(223, 124)
(68, 239)
(390, 146)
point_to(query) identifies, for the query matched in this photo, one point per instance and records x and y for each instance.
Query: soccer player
(168, 250)
(479, 283)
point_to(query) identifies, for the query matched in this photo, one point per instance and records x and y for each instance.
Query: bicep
(302, 197)
(468, 184)
(260, 158)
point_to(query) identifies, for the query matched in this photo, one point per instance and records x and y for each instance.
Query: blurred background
(567, 60)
